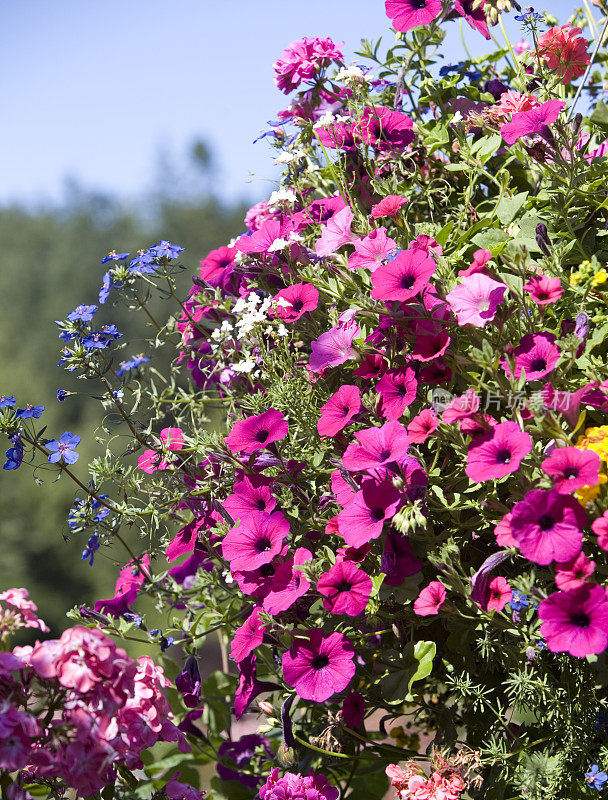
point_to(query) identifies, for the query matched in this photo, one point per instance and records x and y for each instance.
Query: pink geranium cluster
(303, 60)
(18, 611)
(105, 710)
(564, 51)
(412, 784)
(293, 786)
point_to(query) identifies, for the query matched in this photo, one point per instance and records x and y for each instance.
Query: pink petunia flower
(389, 206)
(403, 277)
(261, 241)
(476, 299)
(256, 541)
(547, 526)
(422, 426)
(302, 60)
(463, 407)
(339, 410)
(502, 532)
(345, 589)
(408, 14)
(544, 290)
(499, 594)
(498, 452)
(480, 259)
(253, 433)
(217, 267)
(249, 636)
(429, 246)
(363, 518)
(249, 495)
(537, 353)
(333, 347)
(430, 599)
(599, 526)
(564, 51)
(376, 447)
(397, 388)
(295, 300)
(572, 468)
(289, 583)
(576, 621)
(535, 120)
(335, 233)
(574, 573)
(318, 666)
(371, 250)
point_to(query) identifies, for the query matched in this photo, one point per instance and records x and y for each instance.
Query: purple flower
(333, 347)
(296, 787)
(188, 683)
(82, 313)
(114, 256)
(7, 402)
(63, 448)
(242, 754)
(166, 249)
(30, 411)
(132, 363)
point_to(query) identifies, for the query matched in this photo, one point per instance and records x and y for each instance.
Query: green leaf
(490, 238)
(415, 664)
(509, 206)
(600, 115)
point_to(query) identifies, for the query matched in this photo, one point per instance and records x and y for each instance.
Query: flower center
(483, 305)
(545, 522)
(538, 365)
(503, 456)
(376, 514)
(297, 305)
(261, 436)
(260, 504)
(262, 545)
(344, 586)
(580, 619)
(384, 455)
(571, 472)
(407, 281)
(320, 661)
(418, 5)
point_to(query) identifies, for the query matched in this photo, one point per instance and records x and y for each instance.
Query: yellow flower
(586, 494)
(600, 277)
(595, 439)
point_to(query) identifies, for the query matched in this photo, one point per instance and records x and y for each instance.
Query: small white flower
(278, 244)
(240, 258)
(282, 330)
(457, 117)
(352, 74)
(327, 119)
(244, 366)
(282, 195)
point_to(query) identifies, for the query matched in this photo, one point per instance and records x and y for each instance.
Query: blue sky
(95, 89)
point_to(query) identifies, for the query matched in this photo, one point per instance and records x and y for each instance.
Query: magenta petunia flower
(345, 589)
(403, 277)
(251, 494)
(218, 266)
(256, 541)
(476, 299)
(536, 353)
(544, 290)
(253, 433)
(335, 233)
(574, 573)
(376, 447)
(430, 599)
(364, 517)
(408, 14)
(462, 407)
(333, 347)
(498, 452)
(288, 584)
(572, 468)
(599, 526)
(398, 561)
(249, 636)
(353, 709)
(397, 388)
(535, 120)
(480, 259)
(371, 250)
(318, 666)
(389, 206)
(474, 15)
(576, 621)
(499, 594)
(295, 300)
(339, 410)
(261, 241)
(422, 426)
(547, 526)
(385, 129)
